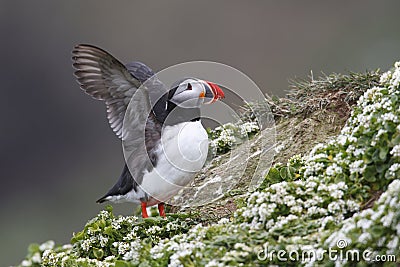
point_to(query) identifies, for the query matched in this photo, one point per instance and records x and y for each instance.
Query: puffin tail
(123, 186)
(103, 199)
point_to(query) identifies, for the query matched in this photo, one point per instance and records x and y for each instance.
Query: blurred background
(57, 151)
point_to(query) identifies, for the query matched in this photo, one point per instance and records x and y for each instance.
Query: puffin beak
(212, 92)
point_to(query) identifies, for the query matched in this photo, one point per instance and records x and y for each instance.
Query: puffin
(161, 126)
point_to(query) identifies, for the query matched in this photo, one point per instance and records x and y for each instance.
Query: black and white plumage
(162, 131)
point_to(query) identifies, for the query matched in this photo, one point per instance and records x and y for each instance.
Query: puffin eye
(189, 86)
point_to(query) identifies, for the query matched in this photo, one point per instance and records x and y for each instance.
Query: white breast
(183, 152)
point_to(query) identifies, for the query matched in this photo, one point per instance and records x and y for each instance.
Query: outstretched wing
(105, 78)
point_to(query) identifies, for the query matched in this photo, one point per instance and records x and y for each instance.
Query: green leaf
(274, 175)
(395, 139)
(98, 253)
(109, 208)
(390, 127)
(120, 263)
(283, 173)
(77, 237)
(367, 157)
(144, 264)
(375, 155)
(109, 230)
(291, 171)
(363, 140)
(377, 230)
(381, 167)
(33, 248)
(370, 173)
(383, 152)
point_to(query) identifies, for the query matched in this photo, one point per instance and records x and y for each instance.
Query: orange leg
(144, 210)
(161, 210)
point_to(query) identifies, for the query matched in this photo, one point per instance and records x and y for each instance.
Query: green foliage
(374, 232)
(279, 172)
(120, 237)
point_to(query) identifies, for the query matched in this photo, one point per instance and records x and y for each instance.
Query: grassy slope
(314, 112)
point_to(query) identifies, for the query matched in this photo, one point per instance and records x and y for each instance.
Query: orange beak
(213, 92)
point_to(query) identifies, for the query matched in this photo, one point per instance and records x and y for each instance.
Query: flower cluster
(180, 246)
(224, 137)
(376, 229)
(336, 177)
(107, 239)
(285, 203)
(35, 252)
(65, 256)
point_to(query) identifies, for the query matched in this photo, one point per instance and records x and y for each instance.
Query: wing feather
(105, 78)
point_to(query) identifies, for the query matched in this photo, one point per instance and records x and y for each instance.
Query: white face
(191, 93)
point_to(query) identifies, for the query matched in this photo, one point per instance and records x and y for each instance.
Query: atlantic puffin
(175, 142)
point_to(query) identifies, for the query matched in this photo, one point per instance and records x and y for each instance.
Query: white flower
(103, 241)
(337, 194)
(154, 229)
(395, 151)
(296, 209)
(352, 205)
(67, 246)
(47, 245)
(380, 132)
(115, 225)
(333, 207)
(171, 226)
(388, 219)
(123, 247)
(312, 168)
(392, 244)
(133, 252)
(26, 263)
(393, 169)
(110, 258)
(242, 246)
(357, 166)
(389, 117)
(333, 170)
(289, 200)
(342, 139)
(248, 127)
(364, 238)
(223, 221)
(312, 210)
(86, 244)
(36, 258)
(364, 224)
(381, 241)
(359, 151)
(214, 263)
(311, 185)
(385, 77)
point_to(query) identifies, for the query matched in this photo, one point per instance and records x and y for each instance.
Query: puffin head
(192, 92)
